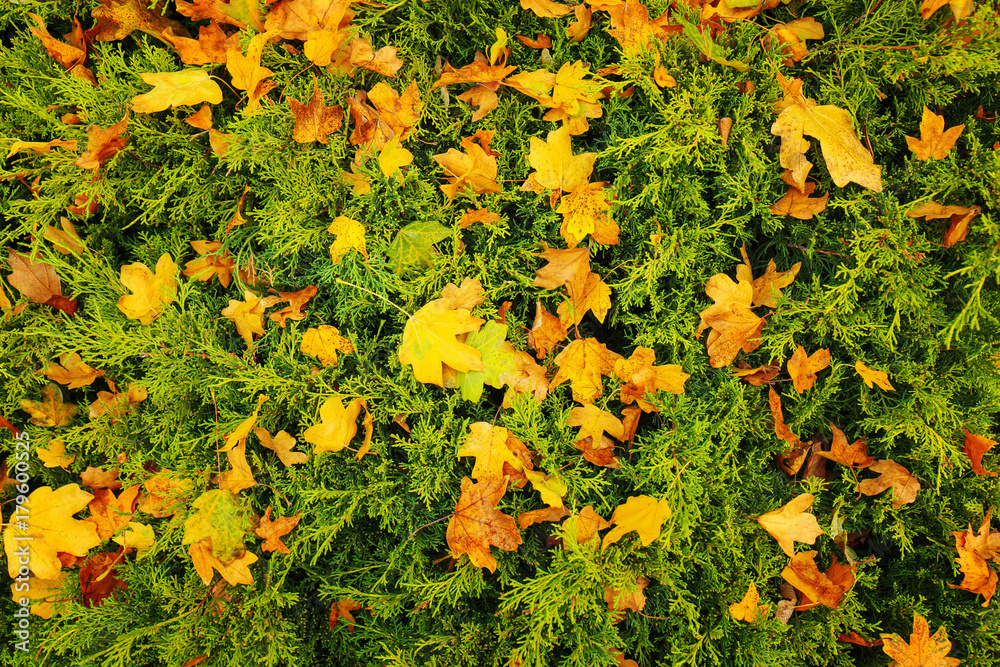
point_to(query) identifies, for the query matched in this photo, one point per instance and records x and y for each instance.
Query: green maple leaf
(221, 517)
(489, 341)
(414, 244)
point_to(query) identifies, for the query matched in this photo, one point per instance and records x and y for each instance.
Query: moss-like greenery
(875, 285)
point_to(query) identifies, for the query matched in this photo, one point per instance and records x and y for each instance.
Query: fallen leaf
(497, 357)
(343, 609)
(45, 525)
(546, 331)
(103, 144)
(546, 9)
(71, 371)
(110, 514)
(935, 142)
(321, 25)
(794, 35)
(413, 245)
(922, 650)
(239, 476)
(50, 411)
(766, 288)
(802, 573)
(210, 47)
(585, 211)
(383, 61)
(167, 493)
(117, 19)
(152, 293)
(475, 169)
(323, 343)
(430, 339)
(798, 204)
(748, 608)
(904, 485)
(246, 71)
(55, 455)
(792, 524)
(494, 448)
(272, 531)
(350, 234)
(803, 369)
(138, 536)
(626, 598)
(389, 115)
(211, 263)
(38, 281)
(234, 570)
(247, 315)
(315, 121)
(557, 169)
(583, 362)
(881, 378)
(643, 514)
(974, 447)
(854, 455)
(477, 523)
(959, 8)
(172, 89)
(99, 578)
(642, 378)
(979, 578)
(337, 425)
(281, 444)
(72, 57)
(218, 516)
(846, 159)
(98, 478)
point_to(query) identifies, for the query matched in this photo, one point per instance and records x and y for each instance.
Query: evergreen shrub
(875, 285)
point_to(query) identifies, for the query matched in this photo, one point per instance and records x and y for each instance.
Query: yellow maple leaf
(45, 526)
(846, 159)
(350, 234)
(870, 375)
(151, 293)
(337, 425)
(392, 158)
(247, 315)
(172, 89)
(557, 169)
(747, 609)
(247, 72)
(323, 343)
(430, 339)
(585, 211)
(643, 514)
(211, 263)
(791, 523)
(55, 455)
(583, 362)
(493, 447)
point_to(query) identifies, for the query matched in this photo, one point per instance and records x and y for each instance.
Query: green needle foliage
(875, 285)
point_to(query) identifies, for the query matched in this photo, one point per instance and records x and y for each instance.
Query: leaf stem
(344, 282)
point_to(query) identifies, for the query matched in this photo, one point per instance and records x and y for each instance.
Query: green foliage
(875, 285)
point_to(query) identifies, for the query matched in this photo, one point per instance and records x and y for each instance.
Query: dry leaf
(792, 524)
(904, 485)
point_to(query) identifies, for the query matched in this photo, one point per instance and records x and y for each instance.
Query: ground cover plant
(494, 333)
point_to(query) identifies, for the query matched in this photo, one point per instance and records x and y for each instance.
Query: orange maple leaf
(934, 142)
(272, 531)
(315, 121)
(103, 144)
(803, 368)
(974, 447)
(583, 362)
(791, 523)
(477, 523)
(923, 650)
(904, 485)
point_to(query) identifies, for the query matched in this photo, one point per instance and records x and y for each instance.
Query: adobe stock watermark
(22, 552)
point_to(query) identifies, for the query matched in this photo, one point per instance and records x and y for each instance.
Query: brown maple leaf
(38, 281)
(477, 523)
(315, 121)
